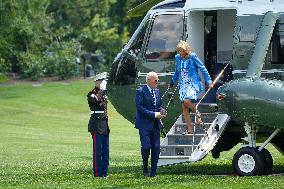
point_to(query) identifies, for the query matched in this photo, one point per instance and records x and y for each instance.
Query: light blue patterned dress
(186, 73)
(186, 88)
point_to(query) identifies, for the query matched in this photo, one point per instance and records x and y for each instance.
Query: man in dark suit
(148, 115)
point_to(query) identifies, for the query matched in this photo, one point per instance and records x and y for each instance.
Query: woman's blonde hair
(183, 45)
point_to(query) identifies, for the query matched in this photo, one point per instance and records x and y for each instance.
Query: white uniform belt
(97, 112)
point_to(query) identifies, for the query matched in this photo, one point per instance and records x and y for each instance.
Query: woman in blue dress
(186, 72)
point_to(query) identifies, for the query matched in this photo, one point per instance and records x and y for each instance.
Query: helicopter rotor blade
(142, 8)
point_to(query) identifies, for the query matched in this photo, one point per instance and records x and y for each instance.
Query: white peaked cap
(99, 76)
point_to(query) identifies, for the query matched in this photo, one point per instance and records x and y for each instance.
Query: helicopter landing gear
(252, 160)
(268, 162)
(248, 161)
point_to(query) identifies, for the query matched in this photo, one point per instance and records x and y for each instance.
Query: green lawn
(44, 144)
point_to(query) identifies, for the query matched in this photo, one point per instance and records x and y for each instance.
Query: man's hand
(103, 85)
(158, 115)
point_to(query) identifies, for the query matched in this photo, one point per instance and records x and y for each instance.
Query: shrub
(66, 66)
(30, 65)
(49, 64)
(60, 60)
(4, 66)
(3, 78)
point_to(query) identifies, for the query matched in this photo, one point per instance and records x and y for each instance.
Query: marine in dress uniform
(98, 125)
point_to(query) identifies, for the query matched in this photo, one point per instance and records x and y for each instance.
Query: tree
(19, 33)
(91, 23)
(36, 36)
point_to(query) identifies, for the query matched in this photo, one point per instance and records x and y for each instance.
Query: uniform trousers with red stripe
(100, 154)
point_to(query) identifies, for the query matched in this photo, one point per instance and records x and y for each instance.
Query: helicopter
(244, 46)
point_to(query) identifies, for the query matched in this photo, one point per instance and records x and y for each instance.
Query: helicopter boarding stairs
(178, 147)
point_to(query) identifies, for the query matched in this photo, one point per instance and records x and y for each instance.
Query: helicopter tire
(268, 162)
(248, 161)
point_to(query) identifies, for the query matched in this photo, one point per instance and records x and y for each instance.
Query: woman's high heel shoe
(198, 119)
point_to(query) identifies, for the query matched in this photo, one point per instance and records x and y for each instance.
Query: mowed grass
(44, 144)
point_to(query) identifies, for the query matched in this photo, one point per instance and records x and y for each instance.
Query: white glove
(103, 85)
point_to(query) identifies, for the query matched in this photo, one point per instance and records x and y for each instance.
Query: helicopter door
(210, 35)
(210, 41)
(165, 32)
(218, 27)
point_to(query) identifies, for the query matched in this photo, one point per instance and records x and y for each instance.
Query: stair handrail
(163, 127)
(211, 86)
(165, 92)
(171, 97)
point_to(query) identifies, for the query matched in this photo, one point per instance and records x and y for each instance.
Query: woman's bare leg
(185, 112)
(192, 107)
(197, 114)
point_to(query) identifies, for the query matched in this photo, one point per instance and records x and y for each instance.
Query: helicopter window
(179, 4)
(136, 46)
(126, 73)
(166, 32)
(277, 45)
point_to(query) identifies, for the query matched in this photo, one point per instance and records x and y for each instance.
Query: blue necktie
(153, 95)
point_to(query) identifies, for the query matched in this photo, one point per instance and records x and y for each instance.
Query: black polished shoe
(145, 172)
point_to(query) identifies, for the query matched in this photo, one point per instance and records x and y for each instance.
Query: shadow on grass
(191, 169)
(183, 169)
(188, 169)
(277, 169)
(132, 171)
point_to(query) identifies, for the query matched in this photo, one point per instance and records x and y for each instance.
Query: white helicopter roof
(208, 5)
(244, 7)
(201, 4)
(259, 6)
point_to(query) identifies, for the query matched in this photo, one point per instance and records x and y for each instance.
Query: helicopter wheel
(248, 161)
(268, 161)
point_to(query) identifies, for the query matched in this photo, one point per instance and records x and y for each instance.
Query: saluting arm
(95, 98)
